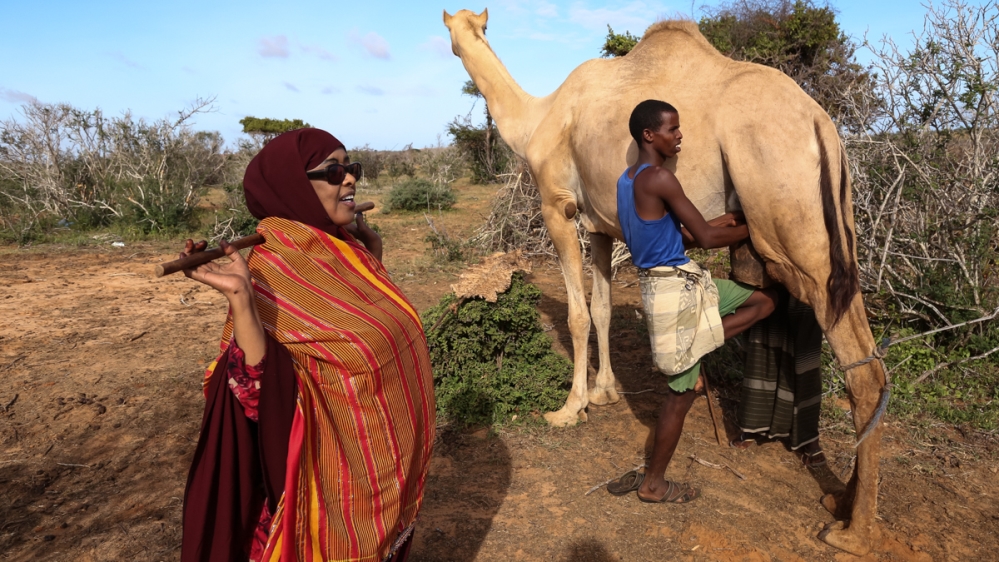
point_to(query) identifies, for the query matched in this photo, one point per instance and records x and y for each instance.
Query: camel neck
(516, 112)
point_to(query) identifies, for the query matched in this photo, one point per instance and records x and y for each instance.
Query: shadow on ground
(468, 481)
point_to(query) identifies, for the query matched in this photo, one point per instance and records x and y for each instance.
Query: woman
(319, 419)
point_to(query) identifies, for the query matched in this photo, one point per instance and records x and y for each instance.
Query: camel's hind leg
(601, 246)
(852, 341)
(563, 233)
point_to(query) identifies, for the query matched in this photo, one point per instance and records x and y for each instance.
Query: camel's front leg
(600, 310)
(852, 341)
(563, 233)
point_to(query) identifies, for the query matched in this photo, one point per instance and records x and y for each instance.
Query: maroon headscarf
(275, 183)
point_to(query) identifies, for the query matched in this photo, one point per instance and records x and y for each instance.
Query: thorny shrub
(494, 360)
(926, 192)
(72, 166)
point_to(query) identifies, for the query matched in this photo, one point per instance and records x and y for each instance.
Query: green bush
(233, 220)
(445, 248)
(486, 154)
(494, 360)
(417, 194)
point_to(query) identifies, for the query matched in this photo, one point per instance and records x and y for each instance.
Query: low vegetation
(920, 126)
(419, 194)
(494, 361)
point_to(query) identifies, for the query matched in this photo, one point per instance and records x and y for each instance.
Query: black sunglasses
(334, 174)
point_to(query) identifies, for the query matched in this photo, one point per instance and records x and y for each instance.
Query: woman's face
(338, 200)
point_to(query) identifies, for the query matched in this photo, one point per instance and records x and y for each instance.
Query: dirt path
(106, 363)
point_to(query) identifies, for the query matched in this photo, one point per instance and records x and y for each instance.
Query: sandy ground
(100, 408)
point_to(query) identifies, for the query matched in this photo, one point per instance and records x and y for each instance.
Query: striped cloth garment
(362, 433)
(681, 311)
(782, 388)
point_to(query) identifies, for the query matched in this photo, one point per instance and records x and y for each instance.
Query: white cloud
(276, 47)
(439, 45)
(291, 86)
(120, 57)
(331, 90)
(421, 90)
(371, 90)
(546, 9)
(320, 52)
(515, 7)
(374, 44)
(16, 96)
(633, 17)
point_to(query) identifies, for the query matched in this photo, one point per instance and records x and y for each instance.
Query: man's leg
(758, 306)
(668, 428)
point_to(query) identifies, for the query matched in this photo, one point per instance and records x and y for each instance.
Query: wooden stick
(711, 405)
(201, 258)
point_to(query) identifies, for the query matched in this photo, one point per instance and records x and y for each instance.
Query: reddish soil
(100, 408)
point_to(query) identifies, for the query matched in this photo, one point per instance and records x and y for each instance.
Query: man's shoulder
(656, 176)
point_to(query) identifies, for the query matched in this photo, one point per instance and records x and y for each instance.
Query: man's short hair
(648, 115)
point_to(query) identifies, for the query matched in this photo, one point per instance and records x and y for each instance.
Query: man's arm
(663, 184)
(735, 218)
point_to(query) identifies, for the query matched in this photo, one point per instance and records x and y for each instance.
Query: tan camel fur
(751, 137)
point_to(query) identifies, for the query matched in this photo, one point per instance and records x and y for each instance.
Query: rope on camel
(878, 355)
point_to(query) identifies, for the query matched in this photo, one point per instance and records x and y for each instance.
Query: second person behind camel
(688, 314)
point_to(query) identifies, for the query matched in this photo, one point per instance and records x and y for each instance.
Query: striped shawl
(362, 432)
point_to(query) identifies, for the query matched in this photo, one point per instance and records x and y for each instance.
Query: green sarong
(782, 388)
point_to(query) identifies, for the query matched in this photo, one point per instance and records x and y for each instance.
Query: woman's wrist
(241, 297)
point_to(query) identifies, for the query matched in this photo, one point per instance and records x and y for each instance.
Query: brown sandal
(743, 441)
(675, 493)
(813, 459)
(628, 482)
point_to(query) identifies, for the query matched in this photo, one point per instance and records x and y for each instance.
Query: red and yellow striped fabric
(362, 434)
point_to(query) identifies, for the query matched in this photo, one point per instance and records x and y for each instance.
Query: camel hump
(671, 31)
(685, 26)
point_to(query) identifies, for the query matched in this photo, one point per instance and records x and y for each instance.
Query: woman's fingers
(191, 247)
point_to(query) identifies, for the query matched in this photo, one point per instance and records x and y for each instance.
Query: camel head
(464, 23)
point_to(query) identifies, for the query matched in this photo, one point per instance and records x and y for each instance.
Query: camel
(752, 138)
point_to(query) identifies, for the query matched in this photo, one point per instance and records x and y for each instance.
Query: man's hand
(728, 220)
(735, 218)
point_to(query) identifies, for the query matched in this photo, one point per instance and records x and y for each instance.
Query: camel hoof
(839, 505)
(829, 502)
(604, 396)
(846, 539)
(564, 418)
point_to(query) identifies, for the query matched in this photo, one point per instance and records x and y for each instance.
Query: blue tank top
(651, 243)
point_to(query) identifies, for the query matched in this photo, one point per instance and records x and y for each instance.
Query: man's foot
(812, 455)
(675, 493)
(743, 441)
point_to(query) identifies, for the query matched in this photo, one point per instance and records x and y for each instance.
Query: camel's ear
(482, 18)
(447, 19)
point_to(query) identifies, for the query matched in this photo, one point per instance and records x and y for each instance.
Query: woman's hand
(233, 280)
(230, 279)
(364, 234)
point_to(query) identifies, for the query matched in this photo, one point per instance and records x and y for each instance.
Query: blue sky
(370, 72)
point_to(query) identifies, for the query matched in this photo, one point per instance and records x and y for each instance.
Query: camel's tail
(844, 278)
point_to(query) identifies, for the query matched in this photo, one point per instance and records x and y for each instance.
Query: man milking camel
(688, 313)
